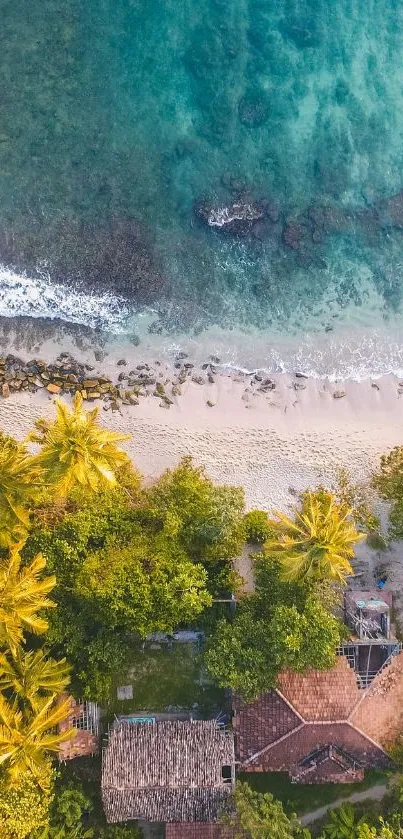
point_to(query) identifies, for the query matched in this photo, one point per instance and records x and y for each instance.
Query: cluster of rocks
(66, 375)
(261, 218)
(63, 376)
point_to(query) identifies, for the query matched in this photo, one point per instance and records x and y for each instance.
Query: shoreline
(270, 438)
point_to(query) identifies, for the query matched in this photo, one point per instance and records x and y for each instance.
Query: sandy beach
(291, 437)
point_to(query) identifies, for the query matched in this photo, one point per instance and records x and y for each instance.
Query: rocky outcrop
(237, 218)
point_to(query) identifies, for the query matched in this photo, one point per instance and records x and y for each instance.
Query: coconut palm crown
(29, 676)
(19, 487)
(23, 593)
(318, 543)
(28, 738)
(76, 450)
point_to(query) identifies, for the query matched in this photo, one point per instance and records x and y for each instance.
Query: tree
(19, 489)
(205, 519)
(149, 585)
(256, 526)
(389, 483)
(66, 815)
(76, 450)
(32, 675)
(318, 543)
(28, 737)
(23, 807)
(23, 594)
(259, 816)
(279, 626)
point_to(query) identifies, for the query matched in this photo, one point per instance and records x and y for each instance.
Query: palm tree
(76, 450)
(23, 593)
(342, 823)
(31, 675)
(19, 487)
(28, 738)
(319, 543)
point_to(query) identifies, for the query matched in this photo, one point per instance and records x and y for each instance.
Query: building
(171, 771)
(328, 726)
(84, 717)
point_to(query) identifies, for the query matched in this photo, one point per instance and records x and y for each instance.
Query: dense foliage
(281, 625)
(389, 483)
(23, 807)
(255, 815)
(256, 526)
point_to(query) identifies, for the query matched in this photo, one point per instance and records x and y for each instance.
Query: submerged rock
(253, 108)
(237, 218)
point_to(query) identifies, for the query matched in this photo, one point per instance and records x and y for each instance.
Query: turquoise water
(118, 116)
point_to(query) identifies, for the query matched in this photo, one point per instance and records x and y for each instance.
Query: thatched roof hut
(167, 771)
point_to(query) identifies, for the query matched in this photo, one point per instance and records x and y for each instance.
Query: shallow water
(118, 116)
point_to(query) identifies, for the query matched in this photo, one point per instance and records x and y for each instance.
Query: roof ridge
(270, 745)
(290, 705)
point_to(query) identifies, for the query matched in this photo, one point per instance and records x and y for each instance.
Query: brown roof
(166, 771)
(321, 694)
(188, 830)
(318, 709)
(84, 718)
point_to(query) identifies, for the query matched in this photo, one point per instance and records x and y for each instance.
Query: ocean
(222, 176)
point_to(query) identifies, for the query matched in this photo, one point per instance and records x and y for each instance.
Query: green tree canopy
(388, 481)
(259, 816)
(204, 518)
(279, 626)
(23, 807)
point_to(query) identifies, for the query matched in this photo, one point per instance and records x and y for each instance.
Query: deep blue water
(118, 115)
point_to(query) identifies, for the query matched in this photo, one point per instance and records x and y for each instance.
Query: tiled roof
(318, 709)
(380, 712)
(281, 756)
(322, 694)
(192, 830)
(263, 721)
(166, 771)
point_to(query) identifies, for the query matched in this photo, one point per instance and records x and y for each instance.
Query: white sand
(266, 443)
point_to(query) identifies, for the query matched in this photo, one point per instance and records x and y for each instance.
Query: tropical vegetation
(97, 561)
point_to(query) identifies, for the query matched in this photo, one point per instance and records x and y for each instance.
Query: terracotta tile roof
(379, 714)
(192, 830)
(263, 722)
(281, 756)
(322, 694)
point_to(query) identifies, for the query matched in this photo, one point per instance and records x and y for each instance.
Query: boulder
(53, 388)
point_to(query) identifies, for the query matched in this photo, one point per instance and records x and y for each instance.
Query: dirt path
(374, 793)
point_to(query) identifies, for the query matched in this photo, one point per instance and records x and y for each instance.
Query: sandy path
(375, 793)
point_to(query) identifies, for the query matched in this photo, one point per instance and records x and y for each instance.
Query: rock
(210, 403)
(106, 407)
(211, 378)
(133, 400)
(159, 389)
(298, 386)
(338, 394)
(88, 383)
(95, 394)
(52, 388)
(5, 389)
(84, 394)
(253, 108)
(292, 235)
(188, 365)
(214, 359)
(299, 375)
(375, 385)
(121, 363)
(122, 377)
(182, 355)
(258, 377)
(176, 390)
(198, 380)
(236, 219)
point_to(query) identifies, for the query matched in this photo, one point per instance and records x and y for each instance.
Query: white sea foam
(40, 297)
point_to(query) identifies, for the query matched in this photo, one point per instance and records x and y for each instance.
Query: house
(168, 771)
(84, 717)
(328, 726)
